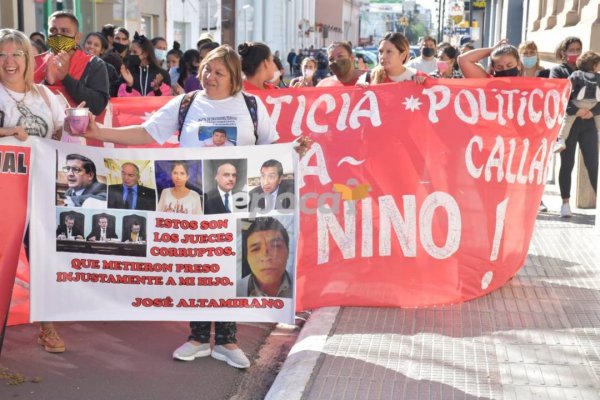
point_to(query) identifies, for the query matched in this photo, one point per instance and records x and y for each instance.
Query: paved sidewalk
(538, 337)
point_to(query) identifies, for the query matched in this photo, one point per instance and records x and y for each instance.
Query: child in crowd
(585, 96)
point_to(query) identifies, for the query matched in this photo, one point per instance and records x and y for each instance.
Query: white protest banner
(163, 234)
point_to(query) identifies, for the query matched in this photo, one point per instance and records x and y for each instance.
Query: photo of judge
(102, 230)
(274, 192)
(130, 194)
(68, 230)
(266, 251)
(135, 235)
(180, 195)
(218, 138)
(227, 194)
(84, 190)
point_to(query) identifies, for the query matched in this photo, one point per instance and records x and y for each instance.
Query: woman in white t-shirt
(220, 104)
(180, 199)
(394, 50)
(26, 110)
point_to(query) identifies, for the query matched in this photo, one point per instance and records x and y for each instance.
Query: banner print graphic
(166, 251)
(417, 195)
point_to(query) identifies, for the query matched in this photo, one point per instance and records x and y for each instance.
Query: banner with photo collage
(163, 234)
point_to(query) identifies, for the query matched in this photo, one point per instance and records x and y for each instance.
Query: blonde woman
(26, 110)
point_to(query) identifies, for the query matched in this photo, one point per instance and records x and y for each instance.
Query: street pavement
(122, 360)
(538, 337)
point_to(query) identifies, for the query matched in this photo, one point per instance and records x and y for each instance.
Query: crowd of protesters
(117, 63)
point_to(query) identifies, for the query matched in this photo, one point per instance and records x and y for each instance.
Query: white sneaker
(236, 358)
(565, 211)
(559, 145)
(190, 351)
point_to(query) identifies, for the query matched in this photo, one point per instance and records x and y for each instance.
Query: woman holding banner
(221, 99)
(27, 109)
(505, 61)
(394, 51)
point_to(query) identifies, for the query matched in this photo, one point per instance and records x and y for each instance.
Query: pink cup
(78, 119)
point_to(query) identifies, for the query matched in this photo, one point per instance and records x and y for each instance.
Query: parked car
(370, 59)
(415, 51)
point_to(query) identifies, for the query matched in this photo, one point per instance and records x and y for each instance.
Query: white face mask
(309, 72)
(276, 76)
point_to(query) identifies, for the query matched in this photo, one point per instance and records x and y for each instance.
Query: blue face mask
(161, 55)
(529, 61)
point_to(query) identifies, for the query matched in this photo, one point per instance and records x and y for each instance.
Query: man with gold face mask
(341, 63)
(67, 69)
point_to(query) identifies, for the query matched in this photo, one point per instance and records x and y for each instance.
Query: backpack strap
(184, 107)
(253, 109)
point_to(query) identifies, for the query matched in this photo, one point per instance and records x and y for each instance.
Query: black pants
(224, 332)
(583, 132)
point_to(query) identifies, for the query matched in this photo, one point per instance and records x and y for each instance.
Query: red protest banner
(14, 177)
(428, 194)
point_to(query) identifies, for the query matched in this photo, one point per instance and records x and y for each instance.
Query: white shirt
(38, 118)
(427, 66)
(231, 112)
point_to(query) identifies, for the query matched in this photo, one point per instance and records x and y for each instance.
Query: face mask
(529, 61)
(572, 57)
(507, 72)
(60, 43)
(174, 74)
(309, 72)
(160, 54)
(119, 47)
(442, 66)
(132, 61)
(340, 67)
(428, 52)
(276, 76)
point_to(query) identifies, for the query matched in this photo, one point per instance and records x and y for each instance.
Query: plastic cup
(79, 120)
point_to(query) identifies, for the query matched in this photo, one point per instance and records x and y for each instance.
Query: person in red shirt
(258, 66)
(67, 69)
(342, 64)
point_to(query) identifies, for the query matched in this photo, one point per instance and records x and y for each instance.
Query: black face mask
(428, 52)
(119, 47)
(507, 72)
(132, 61)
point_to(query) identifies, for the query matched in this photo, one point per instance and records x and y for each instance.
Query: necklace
(18, 102)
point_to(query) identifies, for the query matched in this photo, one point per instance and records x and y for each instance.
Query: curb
(304, 356)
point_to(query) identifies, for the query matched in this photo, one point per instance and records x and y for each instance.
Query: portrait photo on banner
(80, 181)
(179, 186)
(225, 186)
(217, 136)
(270, 184)
(266, 251)
(116, 232)
(131, 184)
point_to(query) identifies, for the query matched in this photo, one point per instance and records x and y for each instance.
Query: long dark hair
(147, 47)
(186, 65)
(252, 54)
